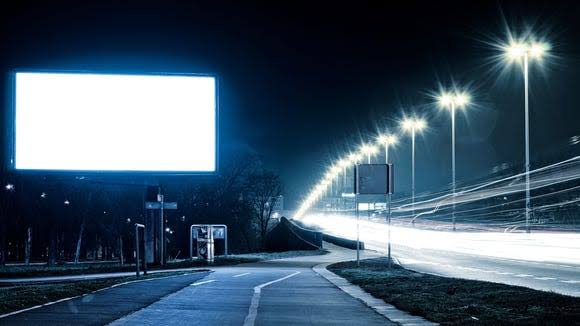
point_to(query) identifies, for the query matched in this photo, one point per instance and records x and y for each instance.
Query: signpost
(161, 205)
(373, 179)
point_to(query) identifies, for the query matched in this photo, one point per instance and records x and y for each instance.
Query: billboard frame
(10, 123)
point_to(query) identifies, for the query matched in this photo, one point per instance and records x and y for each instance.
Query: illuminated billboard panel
(114, 122)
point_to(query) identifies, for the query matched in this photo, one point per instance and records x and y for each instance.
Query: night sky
(300, 82)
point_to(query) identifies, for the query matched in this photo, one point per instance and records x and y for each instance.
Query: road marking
(524, 275)
(253, 311)
(200, 283)
(240, 275)
(504, 273)
(545, 278)
(570, 281)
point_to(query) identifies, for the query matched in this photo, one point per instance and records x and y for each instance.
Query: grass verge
(95, 268)
(451, 301)
(284, 254)
(21, 297)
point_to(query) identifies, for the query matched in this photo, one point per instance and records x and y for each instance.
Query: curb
(378, 305)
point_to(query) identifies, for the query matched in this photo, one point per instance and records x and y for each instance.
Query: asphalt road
(277, 292)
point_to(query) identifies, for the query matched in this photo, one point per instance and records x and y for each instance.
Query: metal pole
(527, 131)
(357, 231)
(144, 252)
(413, 173)
(388, 211)
(137, 248)
(226, 240)
(161, 231)
(453, 160)
(357, 221)
(191, 242)
(343, 187)
(137, 255)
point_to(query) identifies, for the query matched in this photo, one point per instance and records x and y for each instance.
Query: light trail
(497, 205)
(553, 247)
(489, 216)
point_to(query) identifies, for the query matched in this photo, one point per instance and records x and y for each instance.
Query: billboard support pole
(161, 230)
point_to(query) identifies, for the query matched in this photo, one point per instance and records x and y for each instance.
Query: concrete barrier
(289, 236)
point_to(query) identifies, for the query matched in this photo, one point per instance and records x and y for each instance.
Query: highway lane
(559, 278)
(546, 276)
(267, 293)
(542, 261)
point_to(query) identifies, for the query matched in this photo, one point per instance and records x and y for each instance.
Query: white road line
(504, 273)
(253, 311)
(203, 282)
(240, 275)
(570, 281)
(524, 275)
(545, 278)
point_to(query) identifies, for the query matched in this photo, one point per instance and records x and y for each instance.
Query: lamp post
(369, 150)
(388, 141)
(522, 52)
(412, 126)
(453, 101)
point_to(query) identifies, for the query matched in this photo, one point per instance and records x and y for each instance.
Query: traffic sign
(157, 205)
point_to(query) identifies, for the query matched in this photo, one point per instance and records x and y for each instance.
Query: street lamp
(412, 126)
(388, 140)
(452, 101)
(522, 51)
(9, 187)
(369, 150)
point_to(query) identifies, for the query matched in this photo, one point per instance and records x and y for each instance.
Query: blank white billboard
(111, 122)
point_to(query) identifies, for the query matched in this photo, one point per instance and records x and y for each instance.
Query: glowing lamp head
(335, 170)
(368, 149)
(9, 187)
(413, 124)
(445, 100)
(516, 50)
(354, 158)
(451, 100)
(519, 49)
(387, 139)
(538, 50)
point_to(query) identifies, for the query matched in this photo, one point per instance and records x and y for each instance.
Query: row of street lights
(516, 51)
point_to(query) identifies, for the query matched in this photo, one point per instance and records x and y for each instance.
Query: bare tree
(265, 189)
